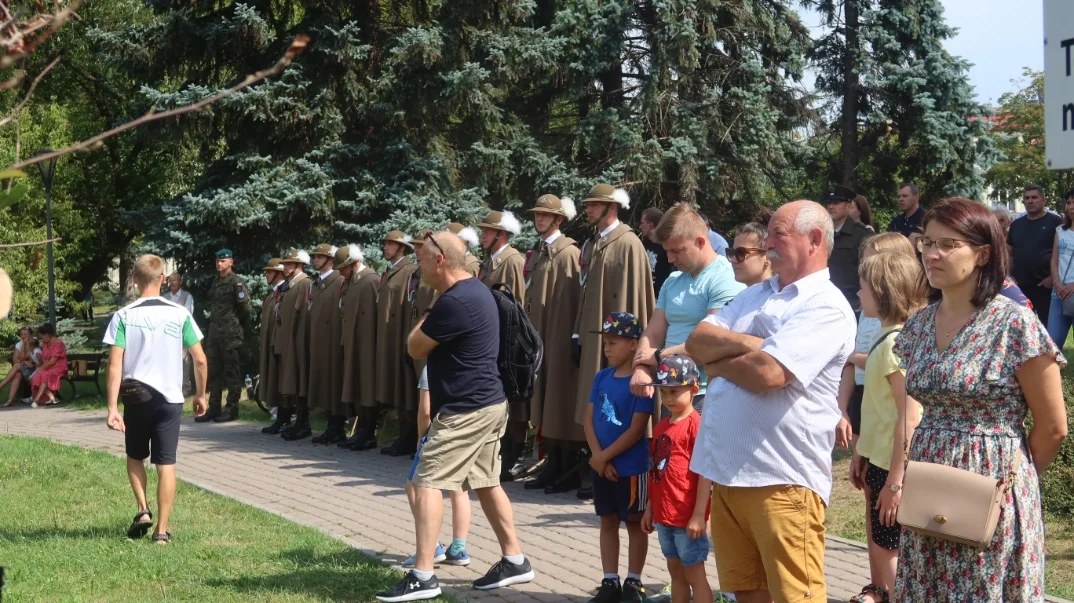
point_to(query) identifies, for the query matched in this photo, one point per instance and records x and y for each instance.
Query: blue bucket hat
(623, 324)
(677, 371)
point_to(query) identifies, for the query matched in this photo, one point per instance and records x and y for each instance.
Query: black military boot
(407, 444)
(366, 439)
(333, 434)
(301, 428)
(569, 477)
(359, 429)
(549, 473)
(508, 456)
(283, 419)
(210, 415)
(231, 412)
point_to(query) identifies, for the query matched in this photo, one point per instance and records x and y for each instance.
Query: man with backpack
(460, 337)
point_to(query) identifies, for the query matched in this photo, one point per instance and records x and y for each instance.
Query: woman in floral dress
(978, 362)
(46, 381)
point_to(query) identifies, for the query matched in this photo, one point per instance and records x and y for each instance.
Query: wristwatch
(895, 487)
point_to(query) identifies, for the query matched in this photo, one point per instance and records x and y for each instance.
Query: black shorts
(884, 536)
(854, 408)
(626, 498)
(155, 423)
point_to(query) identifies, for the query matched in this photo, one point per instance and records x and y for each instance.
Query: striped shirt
(785, 436)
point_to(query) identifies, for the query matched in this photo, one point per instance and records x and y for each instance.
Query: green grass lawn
(63, 537)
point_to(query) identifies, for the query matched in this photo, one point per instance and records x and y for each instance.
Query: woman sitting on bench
(46, 381)
(24, 361)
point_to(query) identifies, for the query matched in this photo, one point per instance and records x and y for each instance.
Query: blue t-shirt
(463, 375)
(686, 300)
(718, 242)
(614, 408)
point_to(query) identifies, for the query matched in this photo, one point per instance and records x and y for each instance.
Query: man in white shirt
(145, 365)
(177, 295)
(770, 413)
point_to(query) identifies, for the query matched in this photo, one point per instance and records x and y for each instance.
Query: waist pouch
(135, 392)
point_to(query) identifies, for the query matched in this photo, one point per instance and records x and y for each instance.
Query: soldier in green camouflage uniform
(229, 305)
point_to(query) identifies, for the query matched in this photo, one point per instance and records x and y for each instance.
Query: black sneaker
(633, 591)
(505, 573)
(411, 588)
(609, 592)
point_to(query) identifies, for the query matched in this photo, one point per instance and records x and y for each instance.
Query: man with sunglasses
(704, 283)
(849, 235)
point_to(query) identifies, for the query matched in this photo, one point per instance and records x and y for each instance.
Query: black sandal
(141, 524)
(877, 593)
(164, 538)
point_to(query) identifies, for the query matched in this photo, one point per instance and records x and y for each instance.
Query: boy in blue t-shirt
(615, 425)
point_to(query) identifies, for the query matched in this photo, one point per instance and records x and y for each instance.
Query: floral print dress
(973, 418)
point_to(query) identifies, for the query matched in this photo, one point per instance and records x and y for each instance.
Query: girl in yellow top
(892, 288)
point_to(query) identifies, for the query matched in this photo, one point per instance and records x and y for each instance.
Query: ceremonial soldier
(503, 263)
(553, 291)
(229, 305)
(469, 236)
(615, 277)
(420, 298)
(358, 306)
(293, 350)
(396, 386)
(268, 384)
(326, 359)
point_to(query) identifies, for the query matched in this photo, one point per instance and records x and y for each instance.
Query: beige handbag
(952, 504)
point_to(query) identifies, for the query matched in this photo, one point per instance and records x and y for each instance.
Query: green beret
(224, 254)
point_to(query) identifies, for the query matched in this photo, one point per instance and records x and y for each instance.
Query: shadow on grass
(345, 576)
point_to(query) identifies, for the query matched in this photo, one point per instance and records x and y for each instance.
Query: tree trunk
(849, 133)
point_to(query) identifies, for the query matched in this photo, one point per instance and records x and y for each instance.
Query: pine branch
(297, 46)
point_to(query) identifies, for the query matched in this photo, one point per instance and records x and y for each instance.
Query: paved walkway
(359, 498)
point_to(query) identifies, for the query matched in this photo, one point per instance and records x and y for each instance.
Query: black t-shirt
(463, 376)
(658, 263)
(1032, 241)
(907, 225)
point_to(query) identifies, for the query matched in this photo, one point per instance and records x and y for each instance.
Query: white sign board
(1059, 83)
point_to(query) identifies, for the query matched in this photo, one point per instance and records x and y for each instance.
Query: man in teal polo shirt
(704, 284)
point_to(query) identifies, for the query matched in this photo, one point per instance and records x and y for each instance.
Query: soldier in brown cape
(396, 386)
(420, 298)
(294, 351)
(468, 236)
(552, 290)
(504, 264)
(268, 382)
(615, 277)
(358, 306)
(325, 327)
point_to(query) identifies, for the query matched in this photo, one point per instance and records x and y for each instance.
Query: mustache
(773, 255)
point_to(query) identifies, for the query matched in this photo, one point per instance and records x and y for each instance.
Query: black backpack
(521, 349)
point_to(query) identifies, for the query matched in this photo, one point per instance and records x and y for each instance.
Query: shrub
(1056, 491)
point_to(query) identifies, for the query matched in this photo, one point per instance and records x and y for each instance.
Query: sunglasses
(739, 254)
(432, 241)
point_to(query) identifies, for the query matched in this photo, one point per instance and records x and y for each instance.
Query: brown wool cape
(358, 307)
(508, 267)
(616, 278)
(396, 386)
(420, 298)
(325, 329)
(268, 384)
(553, 292)
(473, 265)
(291, 347)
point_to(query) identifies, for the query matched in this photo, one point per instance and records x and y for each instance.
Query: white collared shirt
(181, 297)
(326, 274)
(785, 436)
(498, 252)
(610, 228)
(552, 238)
(396, 262)
(277, 285)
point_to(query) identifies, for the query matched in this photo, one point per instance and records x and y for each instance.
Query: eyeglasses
(945, 244)
(739, 254)
(429, 237)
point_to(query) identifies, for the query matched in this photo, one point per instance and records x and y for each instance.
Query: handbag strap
(1017, 460)
(881, 339)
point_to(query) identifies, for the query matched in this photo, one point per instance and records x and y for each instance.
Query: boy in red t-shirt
(679, 498)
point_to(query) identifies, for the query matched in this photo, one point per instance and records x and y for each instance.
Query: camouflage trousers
(223, 373)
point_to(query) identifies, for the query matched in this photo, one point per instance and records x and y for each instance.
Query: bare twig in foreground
(29, 244)
(15, 113)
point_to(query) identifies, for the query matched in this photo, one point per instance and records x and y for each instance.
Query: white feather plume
(469, 235)
(622, 198)
(408, 239)
(332, 251)
(303, 256)
(569, 210)
(510, 223)
(355, 252)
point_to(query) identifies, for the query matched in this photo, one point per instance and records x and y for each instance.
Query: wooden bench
(84, 367)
